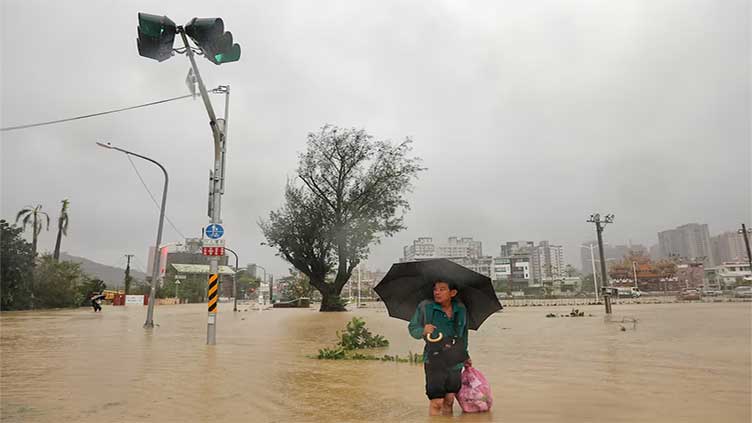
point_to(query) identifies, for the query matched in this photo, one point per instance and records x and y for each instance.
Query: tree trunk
(34, 234)
(331, 301)
(56, 254)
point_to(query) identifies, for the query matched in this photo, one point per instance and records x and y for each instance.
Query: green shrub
(356, 336)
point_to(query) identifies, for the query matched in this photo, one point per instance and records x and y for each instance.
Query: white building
(548, 261)
(733, 273)
(424, 248)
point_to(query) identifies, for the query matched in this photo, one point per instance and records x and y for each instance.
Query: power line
(32, 125)
(138, 265)
(152, 196)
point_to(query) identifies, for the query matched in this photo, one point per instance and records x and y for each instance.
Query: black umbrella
(407, 284)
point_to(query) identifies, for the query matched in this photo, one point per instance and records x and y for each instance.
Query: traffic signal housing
(209, 34)
(156, 35)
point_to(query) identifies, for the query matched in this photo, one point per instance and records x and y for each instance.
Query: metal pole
(262, 282)
(234, 281)
(746, 244)
(358, 303)
(216, 191)
(634, 270)
(155, 271)
(595, 274)
(604, 277)
(271, 289)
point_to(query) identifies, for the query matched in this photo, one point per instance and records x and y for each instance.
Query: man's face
(442, 293)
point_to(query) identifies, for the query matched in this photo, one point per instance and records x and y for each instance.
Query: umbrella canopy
(407, 284)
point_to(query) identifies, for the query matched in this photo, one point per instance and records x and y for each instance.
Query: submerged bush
(356, 336)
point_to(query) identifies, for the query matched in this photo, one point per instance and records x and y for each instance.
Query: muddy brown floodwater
(680, 362)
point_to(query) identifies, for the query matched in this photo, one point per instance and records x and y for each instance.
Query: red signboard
(213, 251)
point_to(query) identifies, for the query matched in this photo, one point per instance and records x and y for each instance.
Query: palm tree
(62, 228)
(33, 215)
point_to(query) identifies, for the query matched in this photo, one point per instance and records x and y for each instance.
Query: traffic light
(210, 35)
(155, 36)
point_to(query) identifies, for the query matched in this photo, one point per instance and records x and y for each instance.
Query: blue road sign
(215, 231)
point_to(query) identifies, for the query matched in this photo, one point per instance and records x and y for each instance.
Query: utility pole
(599, 226)
(127, 282)
(511, 274)
(271, 289)
(744, 231)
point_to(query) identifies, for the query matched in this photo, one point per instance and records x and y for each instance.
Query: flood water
(682, 362)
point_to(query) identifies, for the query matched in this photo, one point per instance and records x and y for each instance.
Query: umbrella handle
(437, 339)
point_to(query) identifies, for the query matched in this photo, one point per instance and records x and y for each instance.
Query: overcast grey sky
(528, 115)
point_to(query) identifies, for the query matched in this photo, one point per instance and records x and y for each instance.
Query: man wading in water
(442, 322)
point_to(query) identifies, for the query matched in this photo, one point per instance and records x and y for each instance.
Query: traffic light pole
(218, 129)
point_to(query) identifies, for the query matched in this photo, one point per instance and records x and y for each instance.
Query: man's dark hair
(451, 285)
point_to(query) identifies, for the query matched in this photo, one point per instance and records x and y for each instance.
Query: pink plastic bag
(475, 393)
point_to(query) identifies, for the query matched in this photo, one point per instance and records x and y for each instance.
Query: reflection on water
(682, 362)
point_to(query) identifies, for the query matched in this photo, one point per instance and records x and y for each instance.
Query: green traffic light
(153, 25)
(156, 35)
(210, 36)
(232, 55)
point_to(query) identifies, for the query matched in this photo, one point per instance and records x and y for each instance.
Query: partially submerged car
(689, 295)
(743, 292)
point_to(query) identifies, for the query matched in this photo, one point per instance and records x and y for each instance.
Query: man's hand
(468, 363)
(427, 329)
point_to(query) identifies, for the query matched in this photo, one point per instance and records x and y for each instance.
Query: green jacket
(436, 316)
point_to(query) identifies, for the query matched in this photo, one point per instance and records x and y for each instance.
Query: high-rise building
(513, 270)
(510, 248)
(727, 247)
(547, 261)
(463, 251)
(424, 248)
(690, 241)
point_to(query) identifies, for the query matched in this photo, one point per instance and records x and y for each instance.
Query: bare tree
(353, 188)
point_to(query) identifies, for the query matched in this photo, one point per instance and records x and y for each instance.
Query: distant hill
(112, 276)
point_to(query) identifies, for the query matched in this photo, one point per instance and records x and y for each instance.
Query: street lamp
(155, 271)
(595, 276)
(234, 284)
(264, 281)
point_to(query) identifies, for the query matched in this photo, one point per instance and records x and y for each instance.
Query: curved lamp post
(234, 281)
(155, 270)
